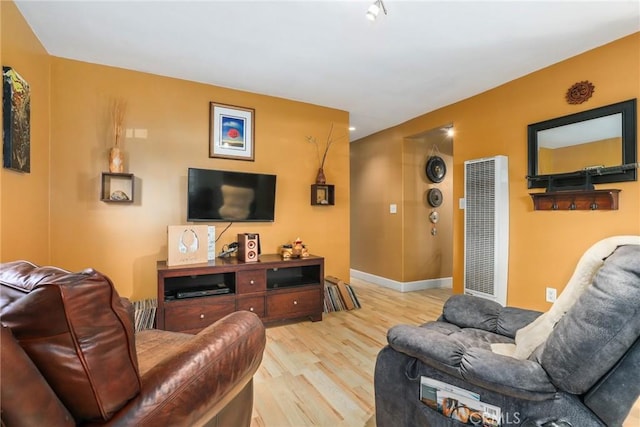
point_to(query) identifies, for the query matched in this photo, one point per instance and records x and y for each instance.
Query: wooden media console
(191, 297)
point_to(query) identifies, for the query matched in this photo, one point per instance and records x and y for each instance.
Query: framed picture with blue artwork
(231, 134)
(16, 110)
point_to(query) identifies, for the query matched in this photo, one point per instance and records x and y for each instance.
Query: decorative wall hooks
(576, 200)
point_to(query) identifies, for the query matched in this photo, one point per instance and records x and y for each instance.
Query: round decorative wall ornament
(434, 197)
(580, 92)
(436, 169)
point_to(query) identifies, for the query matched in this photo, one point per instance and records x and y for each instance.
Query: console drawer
(254, 304)
(250, 281)
(290, 304)
(197, 313)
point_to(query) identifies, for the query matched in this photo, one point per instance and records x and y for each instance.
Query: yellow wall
(53, 215)
(606, 152)
(389, 170)
(24, 198)
(376, 182)
(544, 246)
(125, 241)
(426, 256)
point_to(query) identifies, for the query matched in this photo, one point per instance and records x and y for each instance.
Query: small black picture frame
(322, 195)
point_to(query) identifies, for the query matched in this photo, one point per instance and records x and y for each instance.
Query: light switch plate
(550, 294)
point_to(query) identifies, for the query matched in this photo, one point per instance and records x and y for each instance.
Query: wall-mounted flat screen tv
(215, 195)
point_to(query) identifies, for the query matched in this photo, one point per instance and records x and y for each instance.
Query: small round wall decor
(434, 197)
(580, 92)
(436, 169)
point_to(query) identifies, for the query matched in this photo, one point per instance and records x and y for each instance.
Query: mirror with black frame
(591, 147)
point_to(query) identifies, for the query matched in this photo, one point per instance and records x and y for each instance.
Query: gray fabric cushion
(426, 344)
(599, 328)
(440, 344)
(513, 377)
(614, 395)
(466, 353)
(469, 311)
(511, 319)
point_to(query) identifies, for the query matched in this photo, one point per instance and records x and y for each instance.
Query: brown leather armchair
(70, 357)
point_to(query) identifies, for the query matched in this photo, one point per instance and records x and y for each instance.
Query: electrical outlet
(550, 294)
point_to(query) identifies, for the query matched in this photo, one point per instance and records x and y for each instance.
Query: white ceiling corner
(422, 56)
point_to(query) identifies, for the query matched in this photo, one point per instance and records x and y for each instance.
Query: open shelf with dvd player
(191, 297)
(199, 285)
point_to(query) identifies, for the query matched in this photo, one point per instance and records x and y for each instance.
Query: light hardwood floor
(321, 374)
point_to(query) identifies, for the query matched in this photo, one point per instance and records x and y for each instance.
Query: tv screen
(215, 195)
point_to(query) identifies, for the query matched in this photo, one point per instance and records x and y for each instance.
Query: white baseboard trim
(443, 282)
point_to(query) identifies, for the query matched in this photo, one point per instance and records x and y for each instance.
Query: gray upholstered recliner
(585, 371)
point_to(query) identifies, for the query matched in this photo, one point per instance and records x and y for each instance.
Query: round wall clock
(434, 197)
(436, 169)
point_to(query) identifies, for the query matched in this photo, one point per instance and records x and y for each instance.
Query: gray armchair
(584, 373)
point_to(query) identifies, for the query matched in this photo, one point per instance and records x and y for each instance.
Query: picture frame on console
(231, 132)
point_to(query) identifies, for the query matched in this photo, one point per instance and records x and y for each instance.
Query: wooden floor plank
(321, 373)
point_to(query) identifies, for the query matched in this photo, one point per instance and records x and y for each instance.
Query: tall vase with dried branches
(116, 157)
(320, 177)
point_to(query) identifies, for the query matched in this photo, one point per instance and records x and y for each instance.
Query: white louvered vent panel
(479, 227)
(486, 228)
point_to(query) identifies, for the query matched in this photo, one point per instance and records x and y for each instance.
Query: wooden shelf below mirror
(576, 200)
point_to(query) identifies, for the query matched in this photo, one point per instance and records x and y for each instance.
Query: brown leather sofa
(70, 357)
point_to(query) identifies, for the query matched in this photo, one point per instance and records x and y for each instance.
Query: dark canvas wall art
(16, 110)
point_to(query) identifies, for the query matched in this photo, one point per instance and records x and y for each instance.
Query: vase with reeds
(116, 156)
(320, 177)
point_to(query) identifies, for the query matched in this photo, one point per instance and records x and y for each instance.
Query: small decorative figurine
(295, 250)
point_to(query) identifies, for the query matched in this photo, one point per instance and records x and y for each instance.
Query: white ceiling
(421, 56)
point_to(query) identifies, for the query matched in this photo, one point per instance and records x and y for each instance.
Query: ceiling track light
(374, 10)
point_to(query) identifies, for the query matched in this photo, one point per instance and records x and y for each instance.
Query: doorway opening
(428, 207)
